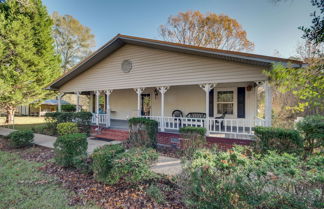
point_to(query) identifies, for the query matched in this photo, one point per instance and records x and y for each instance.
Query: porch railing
(214, 126)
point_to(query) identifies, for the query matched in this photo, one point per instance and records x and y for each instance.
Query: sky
(273, 28)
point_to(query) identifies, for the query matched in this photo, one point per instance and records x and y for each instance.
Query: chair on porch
(221, 120)
(177, 114)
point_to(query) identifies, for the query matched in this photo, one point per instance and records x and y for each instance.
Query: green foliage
(279, 139)
(156, 194)
(71, 150)
(83, 119)
(193, 130)
(132, 166)
(28, 62)
(312, 129)
(193, 139)
(68, 108)
(67, 128)
(143, 132)
(239, 179)
(306, 84)
(73, 41)
(20, 139)
(102, 160)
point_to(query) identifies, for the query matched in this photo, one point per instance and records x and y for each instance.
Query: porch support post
(108, 92)
(139, 91)
(97, 107)
(59, 105)
(162, 90)
(268, 104)
(78, 109)
(207, 88)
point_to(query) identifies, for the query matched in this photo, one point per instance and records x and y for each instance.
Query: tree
(73, 41)
(28, 62)
(209, 30)
(315, 33)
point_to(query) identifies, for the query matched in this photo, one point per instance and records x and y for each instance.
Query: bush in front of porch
(192, 138)
(142, 132)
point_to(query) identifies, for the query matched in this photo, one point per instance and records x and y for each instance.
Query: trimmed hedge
(71, 150)
(312, 129)
(143, 132)
(67, 128)
(18, 139)
(193, 130)
(132, 166)
(69, 108)
(102, 160)
(82, 119)
(278, 139)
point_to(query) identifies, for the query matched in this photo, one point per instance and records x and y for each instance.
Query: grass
(24, 122)
(22, 185)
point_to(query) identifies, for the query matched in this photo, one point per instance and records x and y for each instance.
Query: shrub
(71, 149)
(102, 160)
(20, 139)
(82, 119)
(279, 139)
(67, 128)
(68, 108)
(312, 129)
(194, 138)
(239, 179)
(156, 194)
(143, 132)
(132, 166)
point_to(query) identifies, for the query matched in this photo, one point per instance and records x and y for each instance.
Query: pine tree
(28, 62)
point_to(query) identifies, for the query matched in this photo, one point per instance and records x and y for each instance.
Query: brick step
(113, 134)
(110, 137)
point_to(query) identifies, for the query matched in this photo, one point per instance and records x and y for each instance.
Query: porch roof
(120, 40)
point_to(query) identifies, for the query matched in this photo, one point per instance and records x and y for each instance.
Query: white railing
(101, 118)
(214, 126)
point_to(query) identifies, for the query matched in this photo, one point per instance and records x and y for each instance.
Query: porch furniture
(196, 115)
(177, 114)
(221, 121)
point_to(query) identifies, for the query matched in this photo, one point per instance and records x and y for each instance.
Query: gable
(155, 67)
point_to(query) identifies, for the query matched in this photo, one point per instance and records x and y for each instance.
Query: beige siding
(153, 67)
(185, 98)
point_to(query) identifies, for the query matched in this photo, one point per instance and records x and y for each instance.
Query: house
(177, 85)
(49, 105)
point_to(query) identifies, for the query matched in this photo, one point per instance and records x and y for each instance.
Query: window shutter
(241, 102)
(211, 103)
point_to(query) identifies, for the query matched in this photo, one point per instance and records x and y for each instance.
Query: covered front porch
(226, 110)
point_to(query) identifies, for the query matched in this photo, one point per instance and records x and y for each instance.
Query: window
(225, 102)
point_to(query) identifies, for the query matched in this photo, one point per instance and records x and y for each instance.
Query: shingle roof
(120, 40)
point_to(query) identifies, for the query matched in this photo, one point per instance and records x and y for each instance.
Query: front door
(146, 104)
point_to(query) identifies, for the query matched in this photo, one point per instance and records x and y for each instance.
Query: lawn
(23, 122)
(22, 185)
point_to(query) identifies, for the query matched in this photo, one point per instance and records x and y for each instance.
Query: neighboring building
(49, 105)
(175, 84)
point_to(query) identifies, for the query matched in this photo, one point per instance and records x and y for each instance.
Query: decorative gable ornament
(126, 66)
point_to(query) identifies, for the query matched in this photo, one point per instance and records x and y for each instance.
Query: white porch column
(97, 107)
(268, 104)
(78, 109)
(139, 91)
(108, 92)
(59, 105)
(162, 90)
(207, 87)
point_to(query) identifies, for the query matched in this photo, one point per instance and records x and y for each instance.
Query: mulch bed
(87, 189)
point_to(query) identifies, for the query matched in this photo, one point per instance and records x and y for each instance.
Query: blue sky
(272, 27)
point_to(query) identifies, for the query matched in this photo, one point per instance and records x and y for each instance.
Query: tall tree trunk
(10, 114)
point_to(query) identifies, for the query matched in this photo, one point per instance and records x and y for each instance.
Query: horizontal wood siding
(154, 67)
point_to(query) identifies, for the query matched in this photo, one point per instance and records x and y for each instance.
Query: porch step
(112, 134)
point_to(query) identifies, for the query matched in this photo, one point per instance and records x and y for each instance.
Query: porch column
(268, 104)
(59, 105)
(207, 87)
(78, 109)
(97, 107)
(108, 92)
(162, 90)
(139, 91)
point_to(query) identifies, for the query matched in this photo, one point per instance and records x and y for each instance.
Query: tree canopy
(73, 41)
(28, 62)
(206, 30)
